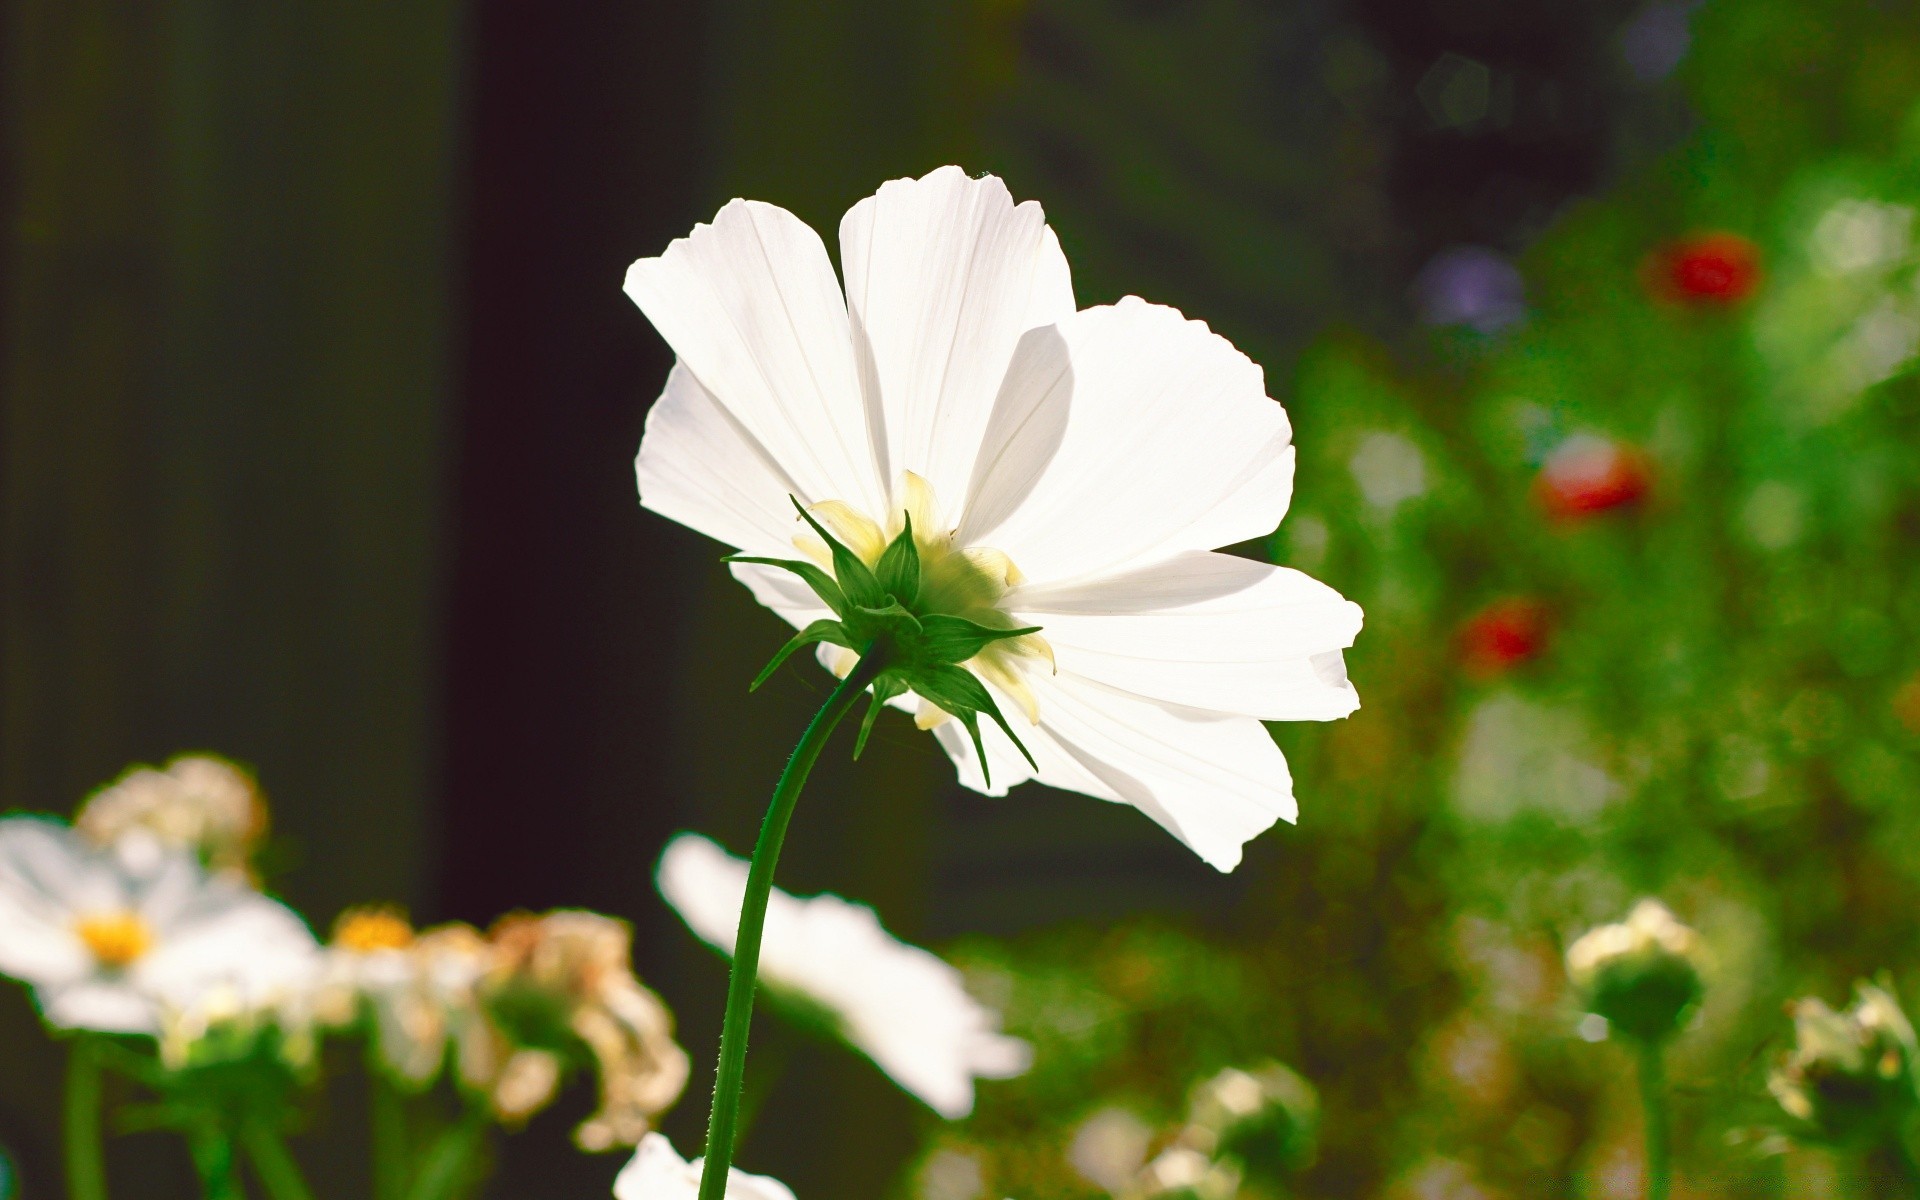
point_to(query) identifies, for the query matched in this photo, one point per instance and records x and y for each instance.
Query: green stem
(1653, 1106)
(445, 1166)
(213, 1158)
(386, 1113)
(1905, 1169)
(721, 1128)
(86, 1148)
(274, 1164)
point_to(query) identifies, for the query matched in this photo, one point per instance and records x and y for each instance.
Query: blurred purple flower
(1657, 38)
(1472, 286)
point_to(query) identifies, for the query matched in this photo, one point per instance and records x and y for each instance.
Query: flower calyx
(885, 614)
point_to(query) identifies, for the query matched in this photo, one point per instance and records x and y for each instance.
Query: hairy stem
(721, 1129)
(85, 1147)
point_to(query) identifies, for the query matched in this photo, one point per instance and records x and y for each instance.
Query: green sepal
(899, 568)
(885, 688)
(950, 639)
(855, 578)
(961, 694)
(822, 630)
(822, 583)
(890, 621)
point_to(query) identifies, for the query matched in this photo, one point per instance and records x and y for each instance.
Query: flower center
(116, 939)
(957, 581)
(374, 928)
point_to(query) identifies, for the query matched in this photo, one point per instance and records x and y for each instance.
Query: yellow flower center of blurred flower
(116, 939)
(959, 581)
(369, 929)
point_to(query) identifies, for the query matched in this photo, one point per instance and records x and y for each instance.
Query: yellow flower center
(374, 928)
(116, 939)
(959, 581)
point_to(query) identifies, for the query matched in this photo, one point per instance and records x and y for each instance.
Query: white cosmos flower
(657, 1172)
(114, 943)
(900, 1005)
(1067, 470)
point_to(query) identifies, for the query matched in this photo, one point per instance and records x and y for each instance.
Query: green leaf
(855, 579)
(899, 567)
(820, 631)
(822, 583)
(949, 639)
(885, 688)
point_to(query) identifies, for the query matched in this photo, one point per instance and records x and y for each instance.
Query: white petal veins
(1205, 630)
(943, 273)
(699, 466)
(751, 306)
(1169, 443)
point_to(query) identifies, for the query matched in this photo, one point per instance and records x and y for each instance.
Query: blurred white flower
(657, 1172)
(111, 942)
(198, 802)
(900, 1005)
(417, 990)
(1389, 469)
(1068, 470)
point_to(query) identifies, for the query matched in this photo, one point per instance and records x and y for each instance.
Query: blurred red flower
(1504, 634)
(1712, 269)
(1587, 474)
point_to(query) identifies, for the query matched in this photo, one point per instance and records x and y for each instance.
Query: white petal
(902, 1006)
(657, 1172)
(230, 937)
(783, 592)
(38, 951)
(699, 466)
(751, 306)
(101, 1005)
(1208, 631)
(51, 871)
(1169, 443)
(943, 275)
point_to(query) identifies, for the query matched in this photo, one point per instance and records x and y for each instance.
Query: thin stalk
(722, 1127)
(1653, 1106)
(445, 1166)
(213, 1158)
(85, 1146)
(274, 1164)
(387, 1118)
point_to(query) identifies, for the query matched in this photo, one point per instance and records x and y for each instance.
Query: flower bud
(1263, 1119)
(1850, 1074)
(1642, 975)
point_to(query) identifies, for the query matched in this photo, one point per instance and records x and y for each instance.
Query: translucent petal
(1137, 435)
(751, 306)
(1207, 631)
(699, 465)
(657, 1172)
(943, 275)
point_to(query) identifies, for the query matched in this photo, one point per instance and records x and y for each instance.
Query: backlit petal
(1208, 631)
(1168, 442)
(943, 275)
(699, 466)
(751, 306)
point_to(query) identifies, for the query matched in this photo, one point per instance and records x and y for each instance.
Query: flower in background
(1642, 975)
(200, 803)
(1506, 633)
(415, 989)
(900, 1005)
(1587, 474)
(1471, 286)
(657, 1172)
(1265, 1119)
(1850, 1075)
(1066, 475)
(1706, 270)
(111, 941)
(562, 982)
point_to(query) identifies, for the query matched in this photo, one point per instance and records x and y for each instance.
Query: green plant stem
(274, 1164)
(445, 1167)
(85, 1146)
(1653, 1106)
(213, 1159)
(387, 1120)
(722, 1126)
(1904, 1166)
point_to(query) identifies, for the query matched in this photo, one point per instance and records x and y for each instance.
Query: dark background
(321, 399)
